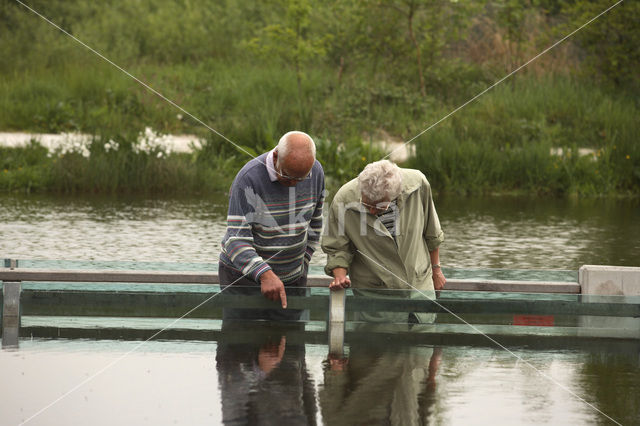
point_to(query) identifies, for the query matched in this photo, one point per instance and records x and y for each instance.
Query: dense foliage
(350, 72)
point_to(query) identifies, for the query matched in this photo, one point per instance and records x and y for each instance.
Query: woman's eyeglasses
(382, 206)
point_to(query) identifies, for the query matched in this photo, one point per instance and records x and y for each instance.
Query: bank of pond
(113, 165)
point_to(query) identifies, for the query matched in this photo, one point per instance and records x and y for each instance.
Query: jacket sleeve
(238, 241)
(315, 226)
(335, 243)
(432, 232)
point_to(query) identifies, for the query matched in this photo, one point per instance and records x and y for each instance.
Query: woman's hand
(438, 279)
(340, 279)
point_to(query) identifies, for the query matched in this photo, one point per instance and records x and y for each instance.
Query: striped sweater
(271, 226)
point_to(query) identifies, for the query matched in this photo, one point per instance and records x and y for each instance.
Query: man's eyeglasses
(295, 179)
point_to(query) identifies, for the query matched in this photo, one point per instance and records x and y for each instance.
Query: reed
(556, 136)
(111, 164)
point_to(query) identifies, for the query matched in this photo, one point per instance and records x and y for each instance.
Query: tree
(291, 41)
(399, 37)
(611, 42)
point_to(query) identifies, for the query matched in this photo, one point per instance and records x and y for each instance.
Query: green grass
(249, 103)
(207, 170)
(33, 169)
(501, 143)
(504, 141)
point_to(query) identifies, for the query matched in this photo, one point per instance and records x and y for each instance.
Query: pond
(481, 233)
(272, 374)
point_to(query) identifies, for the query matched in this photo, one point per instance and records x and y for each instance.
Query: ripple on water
(500, 233)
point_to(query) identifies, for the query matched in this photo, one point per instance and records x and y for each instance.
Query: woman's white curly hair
(380, 181)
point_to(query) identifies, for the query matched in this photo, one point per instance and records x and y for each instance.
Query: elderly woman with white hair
(383, 233)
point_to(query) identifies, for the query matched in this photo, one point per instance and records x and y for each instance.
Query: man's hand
(272, 288)
(340, 279)
(438, 279)
(271, 354)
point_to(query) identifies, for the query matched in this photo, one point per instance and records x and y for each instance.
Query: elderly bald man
(383, 232)
(273, 226)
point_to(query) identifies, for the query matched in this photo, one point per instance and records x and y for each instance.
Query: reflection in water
(606, 375)
(392, 385)
(264, 380)
(266, 375)
(379, 383)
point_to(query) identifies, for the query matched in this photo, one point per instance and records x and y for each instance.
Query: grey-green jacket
(358, 241)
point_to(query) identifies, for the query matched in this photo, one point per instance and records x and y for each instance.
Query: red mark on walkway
(534, 320)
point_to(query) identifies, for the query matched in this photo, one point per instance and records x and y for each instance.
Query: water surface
(274, 376)
(495, 232)
(286, 377)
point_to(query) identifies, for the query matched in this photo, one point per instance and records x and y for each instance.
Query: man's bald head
(296, 153)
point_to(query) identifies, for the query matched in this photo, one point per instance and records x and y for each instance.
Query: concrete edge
(172, 277)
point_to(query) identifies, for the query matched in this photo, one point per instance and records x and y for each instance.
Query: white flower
(151, 142)
(111, 145)
(72, 143)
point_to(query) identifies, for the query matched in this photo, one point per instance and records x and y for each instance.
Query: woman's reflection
(263, 376)
(380, 385)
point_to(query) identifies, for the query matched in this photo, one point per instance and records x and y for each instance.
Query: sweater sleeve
(238, 241)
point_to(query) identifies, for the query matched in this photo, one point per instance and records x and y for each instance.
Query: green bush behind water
(234, 66)
(503, 142)
(209, 169)
(528, 137)
(32, 169)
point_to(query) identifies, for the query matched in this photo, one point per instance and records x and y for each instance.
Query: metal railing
(172, 277)
(17, 301)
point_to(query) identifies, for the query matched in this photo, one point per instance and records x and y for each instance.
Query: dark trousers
(232, 282)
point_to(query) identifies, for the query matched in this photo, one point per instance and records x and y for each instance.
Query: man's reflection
(263, 376)
(376, 385)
